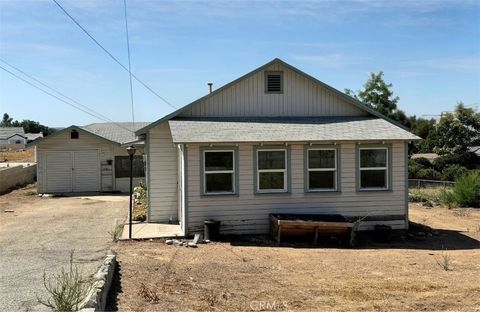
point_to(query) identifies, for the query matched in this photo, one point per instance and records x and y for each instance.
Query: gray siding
(301, 97)
(163, 192)
(248, 212)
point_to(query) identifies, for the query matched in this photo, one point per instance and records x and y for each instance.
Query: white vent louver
(274, 82)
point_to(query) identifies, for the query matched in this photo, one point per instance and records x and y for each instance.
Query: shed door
(58, 171)
(86, 171)
(72, 171)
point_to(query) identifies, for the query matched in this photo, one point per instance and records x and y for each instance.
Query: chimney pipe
(210, 86)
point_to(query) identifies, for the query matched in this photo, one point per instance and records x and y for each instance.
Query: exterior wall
(248, 212)
(162, 175)
(10, 143)
(62, 142)
(301, 97)
(12, 177)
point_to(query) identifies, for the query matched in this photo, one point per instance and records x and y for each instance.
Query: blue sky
(429, 50)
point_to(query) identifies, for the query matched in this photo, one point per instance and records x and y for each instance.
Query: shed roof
(116, 132)
(216, 130)
(7, 132)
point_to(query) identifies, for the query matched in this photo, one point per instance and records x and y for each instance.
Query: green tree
(456, 131)
(378, 95)
(6, 121)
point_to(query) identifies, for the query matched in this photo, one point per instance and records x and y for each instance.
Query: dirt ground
(18, 156)
(37, 234)
(254, 275)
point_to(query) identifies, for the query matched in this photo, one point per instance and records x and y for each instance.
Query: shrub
(466, 191)
(469, 160)
(67, 289)
(422, 161)
(428, 174)
(413, 169)
(139, 214)
(453, 172)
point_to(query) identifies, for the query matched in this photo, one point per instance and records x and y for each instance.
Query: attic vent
(74, 134)
(273, 82)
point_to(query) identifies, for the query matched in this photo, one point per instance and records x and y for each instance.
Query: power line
(111, 55)
(105, 118)
(86, 110)
(129, 63)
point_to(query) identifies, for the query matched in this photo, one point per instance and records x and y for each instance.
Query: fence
(11, 177)
(420, 183)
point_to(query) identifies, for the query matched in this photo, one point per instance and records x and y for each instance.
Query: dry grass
(18, 156)
(234, 276)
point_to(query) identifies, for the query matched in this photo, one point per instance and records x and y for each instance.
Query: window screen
(122, 167)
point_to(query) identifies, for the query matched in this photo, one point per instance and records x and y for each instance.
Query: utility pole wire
(103, 117)
(95, 114)
(111, 56)
(129, 64)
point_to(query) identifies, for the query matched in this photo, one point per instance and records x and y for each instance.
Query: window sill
(322, 191)
(272, 192)
(373, 190)
(218, 194)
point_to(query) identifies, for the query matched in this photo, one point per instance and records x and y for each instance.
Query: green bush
(453, 172)
(422, 161)
(466, 191)
(428, 174)
(469, 160)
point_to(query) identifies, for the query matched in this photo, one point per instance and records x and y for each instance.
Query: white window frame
(285, 172)
(334, 169)
(386, 169)
(205, 172)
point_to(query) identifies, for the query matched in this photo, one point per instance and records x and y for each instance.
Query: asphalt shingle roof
(120, 132)
(285, 130)
(6, 132)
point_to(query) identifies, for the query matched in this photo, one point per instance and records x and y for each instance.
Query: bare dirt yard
(253, 274)
(27, 155)
(38, 233)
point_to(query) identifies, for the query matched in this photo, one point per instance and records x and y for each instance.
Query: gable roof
(345, 97)
(115, 133)
(8, 132)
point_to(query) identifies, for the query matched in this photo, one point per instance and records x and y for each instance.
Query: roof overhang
(330, 129)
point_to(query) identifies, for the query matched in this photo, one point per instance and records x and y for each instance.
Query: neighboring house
(12, 138)
(275, 141)
(33, 136)
(474, 149)
(88, 159)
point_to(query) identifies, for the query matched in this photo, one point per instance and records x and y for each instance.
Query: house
(429, 156)
(12, 138)
(91, 158)
(33, 136)
(275, 140)
(474, 149)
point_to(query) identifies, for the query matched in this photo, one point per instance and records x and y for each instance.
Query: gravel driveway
(39, 235)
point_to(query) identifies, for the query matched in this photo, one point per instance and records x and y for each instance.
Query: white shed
(91, 158)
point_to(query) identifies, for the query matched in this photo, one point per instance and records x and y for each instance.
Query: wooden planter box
(314, 225)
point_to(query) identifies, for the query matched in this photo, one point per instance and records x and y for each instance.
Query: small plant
(444, 261)
(30, 193)
(150, 295)
(116, 232)
(66, 290)
(465, 193)
(139, 214)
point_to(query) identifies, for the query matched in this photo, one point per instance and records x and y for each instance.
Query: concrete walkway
(146, 230)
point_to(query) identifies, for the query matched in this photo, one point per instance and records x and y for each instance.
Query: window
(18, 142)
(219, 172)
(271, 170)
(322, 169)
(74, 134)
(273, 82)
(122, 167)
(373, 168)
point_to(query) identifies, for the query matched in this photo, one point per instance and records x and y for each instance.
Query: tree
(29, 126)
(456, 131)
(6, 121)
(378, 95)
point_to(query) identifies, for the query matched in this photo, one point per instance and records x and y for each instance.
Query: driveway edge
(96, 299)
